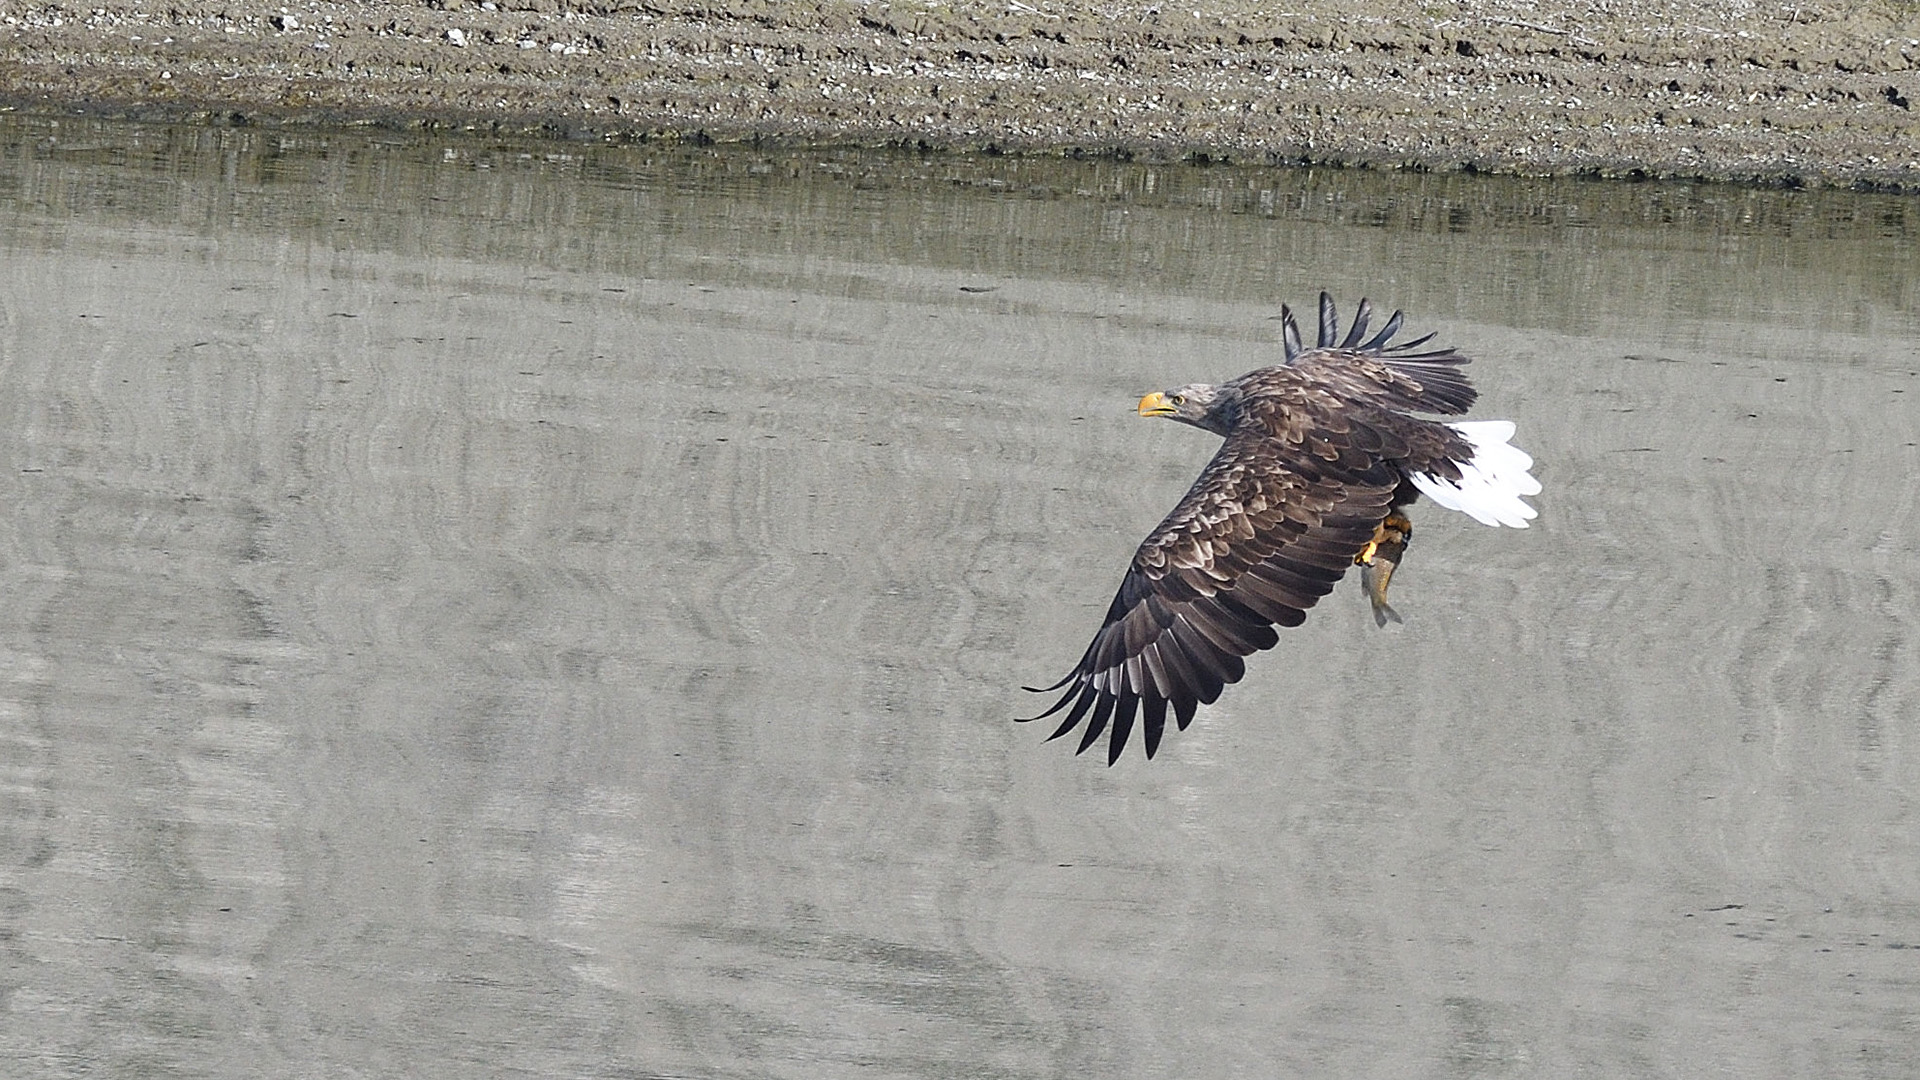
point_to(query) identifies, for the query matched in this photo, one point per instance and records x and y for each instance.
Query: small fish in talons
(1377, 562)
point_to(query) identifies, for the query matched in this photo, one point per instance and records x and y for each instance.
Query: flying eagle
(1322, 455)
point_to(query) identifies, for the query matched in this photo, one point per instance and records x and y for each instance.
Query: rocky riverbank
(1819, 93)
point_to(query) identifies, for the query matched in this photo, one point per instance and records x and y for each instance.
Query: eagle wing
(1374, 370)
(1263, 534)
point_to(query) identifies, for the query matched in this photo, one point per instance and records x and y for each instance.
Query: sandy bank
(1818, 93)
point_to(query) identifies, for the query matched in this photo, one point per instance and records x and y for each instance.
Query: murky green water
(536, 609)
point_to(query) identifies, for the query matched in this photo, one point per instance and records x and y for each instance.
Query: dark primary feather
(1314, 463)
(1391, 375)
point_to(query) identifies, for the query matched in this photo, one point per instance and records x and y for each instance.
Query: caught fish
(1377, 562)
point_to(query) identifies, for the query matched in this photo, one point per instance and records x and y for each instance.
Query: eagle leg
(1389, 540)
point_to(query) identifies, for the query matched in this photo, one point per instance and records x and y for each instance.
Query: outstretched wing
(1374, 370)
(1266, 531)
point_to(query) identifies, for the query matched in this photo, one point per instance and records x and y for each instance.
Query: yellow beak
(1156, 404)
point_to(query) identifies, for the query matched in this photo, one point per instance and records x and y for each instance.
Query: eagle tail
(1491, 482)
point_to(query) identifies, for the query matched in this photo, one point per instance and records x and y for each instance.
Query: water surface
(479, 608)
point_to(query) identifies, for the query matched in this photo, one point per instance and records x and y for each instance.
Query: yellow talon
(1365, 558)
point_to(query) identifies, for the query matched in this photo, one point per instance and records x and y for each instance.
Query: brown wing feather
(1337, 415)
(1376, 371)
(1265, 532)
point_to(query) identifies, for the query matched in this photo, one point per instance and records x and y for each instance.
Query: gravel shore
(1815, 93)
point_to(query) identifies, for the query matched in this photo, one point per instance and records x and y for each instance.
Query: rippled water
(472, 608)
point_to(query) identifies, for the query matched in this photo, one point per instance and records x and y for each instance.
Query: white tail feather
(1491, 481)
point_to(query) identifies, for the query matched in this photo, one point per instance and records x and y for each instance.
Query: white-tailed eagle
(1322, 454)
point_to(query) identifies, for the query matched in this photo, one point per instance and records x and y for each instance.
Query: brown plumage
(1319, 450)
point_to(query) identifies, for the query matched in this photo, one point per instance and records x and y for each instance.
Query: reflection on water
(557, 609)
(1566, 254)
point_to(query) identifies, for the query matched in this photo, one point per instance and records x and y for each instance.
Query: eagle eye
(1178, 399)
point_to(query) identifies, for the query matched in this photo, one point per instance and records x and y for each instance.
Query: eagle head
(1211, 408)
